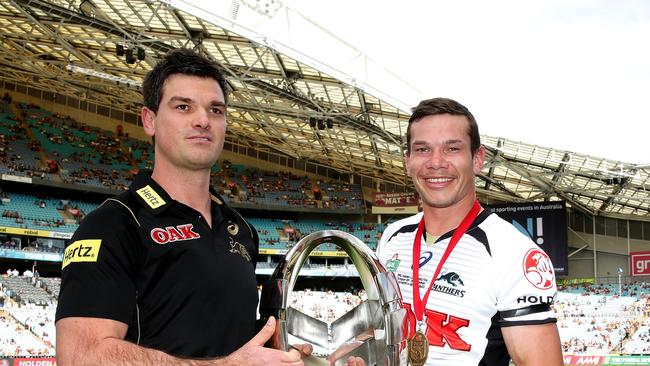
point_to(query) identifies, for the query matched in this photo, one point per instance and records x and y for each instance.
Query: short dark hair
(179, 61)
(436, 106)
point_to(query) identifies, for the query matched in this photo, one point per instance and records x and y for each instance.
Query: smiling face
(440, 162)
(190, 124)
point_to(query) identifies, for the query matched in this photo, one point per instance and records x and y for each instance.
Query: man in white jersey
(485, 289)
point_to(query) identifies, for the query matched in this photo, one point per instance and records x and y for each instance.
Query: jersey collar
(154, 198)
(149, 193)
(477, 221)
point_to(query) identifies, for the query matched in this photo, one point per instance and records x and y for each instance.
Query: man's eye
(183, 107)
(217, 110)
(421, 149)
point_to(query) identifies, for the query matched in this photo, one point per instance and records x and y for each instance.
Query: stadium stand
(266, 110)
(18, 340)
(596, 320)
(27, 316)
(25, 290)
(86, 155)
(56, 147)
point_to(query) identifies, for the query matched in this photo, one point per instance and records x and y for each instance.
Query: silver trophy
(375, 330)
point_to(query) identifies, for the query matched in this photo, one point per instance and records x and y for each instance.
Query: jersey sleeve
(527, 285)
(97, 276)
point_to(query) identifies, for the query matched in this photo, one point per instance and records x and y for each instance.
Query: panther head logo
(451, 278)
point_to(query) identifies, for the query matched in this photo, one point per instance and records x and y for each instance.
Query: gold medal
(418, 349)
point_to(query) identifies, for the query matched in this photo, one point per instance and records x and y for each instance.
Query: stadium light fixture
(141, 53)
(130, 57)
(103, 75)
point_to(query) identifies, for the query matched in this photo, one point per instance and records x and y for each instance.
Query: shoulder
(501, 232)
(238, 217)
(402, 229)
(113, 215)
(405, 225)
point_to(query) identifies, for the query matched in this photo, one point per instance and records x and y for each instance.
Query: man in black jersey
(164, 274)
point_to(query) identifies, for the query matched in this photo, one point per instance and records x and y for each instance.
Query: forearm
(534, 345)
(118, 352)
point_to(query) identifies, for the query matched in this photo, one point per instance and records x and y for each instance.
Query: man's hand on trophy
(344, 350)
(305, 349)
(254, 353)
(355, 361)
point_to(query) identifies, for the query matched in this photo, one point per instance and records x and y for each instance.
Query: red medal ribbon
(420, 304)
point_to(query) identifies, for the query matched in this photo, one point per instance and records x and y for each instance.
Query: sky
(568, 74)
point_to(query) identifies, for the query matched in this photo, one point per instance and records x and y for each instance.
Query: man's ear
(407, 157)
(148, 121)
(478, 160)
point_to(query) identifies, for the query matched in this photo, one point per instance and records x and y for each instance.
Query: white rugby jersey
(495, 277)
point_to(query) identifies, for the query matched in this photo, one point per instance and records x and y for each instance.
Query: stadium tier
(38, 143)
(590, 323)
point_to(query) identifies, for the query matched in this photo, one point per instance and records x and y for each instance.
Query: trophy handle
(383, 312)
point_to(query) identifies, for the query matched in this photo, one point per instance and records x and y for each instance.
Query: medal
(418, 349)
(418, 345)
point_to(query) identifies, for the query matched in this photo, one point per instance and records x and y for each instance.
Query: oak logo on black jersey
(174, 233)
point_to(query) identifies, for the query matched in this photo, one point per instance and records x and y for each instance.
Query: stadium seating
(17, 340)
(595, 320)
(283, 234)
(51, 286)
(23, 291)
(37, 213)
(39, 320)
(16, 156)
(589, 324)
(87, 155)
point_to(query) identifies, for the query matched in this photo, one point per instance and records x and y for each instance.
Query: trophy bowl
(375, 330)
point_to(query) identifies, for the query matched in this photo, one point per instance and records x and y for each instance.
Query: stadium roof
(281, 103)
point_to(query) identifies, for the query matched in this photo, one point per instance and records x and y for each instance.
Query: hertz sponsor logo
(82, 251)
(150, 196)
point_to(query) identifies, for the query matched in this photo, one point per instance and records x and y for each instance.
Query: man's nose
(436, 159)
(202, 120)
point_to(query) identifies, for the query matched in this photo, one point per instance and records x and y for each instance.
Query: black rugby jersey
(495, 277)
(153, 263)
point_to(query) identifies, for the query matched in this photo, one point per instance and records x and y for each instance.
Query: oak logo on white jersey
(538, 269)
